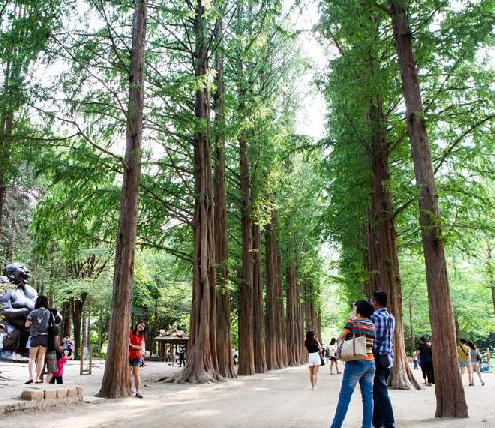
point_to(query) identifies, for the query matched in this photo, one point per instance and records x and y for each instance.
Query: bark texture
(223, 322)
(246, 310)
(202, 362)
(449, 392)
(271, 337)
(116, 378)
(383, 257)
(258, 317)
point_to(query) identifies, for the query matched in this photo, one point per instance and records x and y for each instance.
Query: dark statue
(17, 300)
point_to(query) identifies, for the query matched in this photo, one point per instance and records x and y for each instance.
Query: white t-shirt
(331, 350)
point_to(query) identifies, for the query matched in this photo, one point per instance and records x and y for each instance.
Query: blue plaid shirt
(383, 335)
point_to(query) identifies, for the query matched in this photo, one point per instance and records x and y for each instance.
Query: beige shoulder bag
(353, 349)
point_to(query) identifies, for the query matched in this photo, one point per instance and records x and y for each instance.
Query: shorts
(333, 359)
(36, 341)
(314, 359)
(135, 362)
(464, 363)
(51, 362)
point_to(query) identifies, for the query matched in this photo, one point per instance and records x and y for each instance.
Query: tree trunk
(6, 127)
(280, 323)
(116, 378)
(224, 340)
(202, 362)
(11, 243)
(383, 257)
(291, 316)
(449, 392)
(271, 338)
(246, 312)
(67, 316)
(100, 331)
(77, 311)
(258, 317)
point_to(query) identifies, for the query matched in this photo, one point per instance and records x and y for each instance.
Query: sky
(310, 119)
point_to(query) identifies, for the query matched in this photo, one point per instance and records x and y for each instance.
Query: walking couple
(372, 320)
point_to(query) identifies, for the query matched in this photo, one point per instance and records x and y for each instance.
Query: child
(58, 376)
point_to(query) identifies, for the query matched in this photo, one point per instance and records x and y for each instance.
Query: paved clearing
(276, 399)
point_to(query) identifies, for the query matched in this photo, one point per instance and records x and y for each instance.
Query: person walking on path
(426, 358)
(314, 361)
(37, 322)
(362, 370)
(475, 361)
(332, 348)
(135, 348)
(383, 350)
(464, 360)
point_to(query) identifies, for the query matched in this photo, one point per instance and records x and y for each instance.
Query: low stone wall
(44, 398)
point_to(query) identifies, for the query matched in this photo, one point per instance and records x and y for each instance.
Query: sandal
(28, 382)
(38, 381)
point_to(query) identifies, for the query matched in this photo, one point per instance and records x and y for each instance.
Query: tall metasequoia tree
(246, 312)
(294, 317)
(281, 325)
(383, 258)
(449, 392)
(202, 362)
(258, 318)
(271, 337)
(116, 378)
(224, 341)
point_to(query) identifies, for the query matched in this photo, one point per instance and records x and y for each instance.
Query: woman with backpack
(37, 322)
(332, 348)
(475, 361)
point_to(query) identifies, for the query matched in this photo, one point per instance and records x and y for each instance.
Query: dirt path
(277, 399)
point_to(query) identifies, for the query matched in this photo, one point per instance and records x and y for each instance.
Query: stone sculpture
(17, 300)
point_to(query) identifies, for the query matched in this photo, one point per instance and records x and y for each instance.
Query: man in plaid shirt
(383, 350)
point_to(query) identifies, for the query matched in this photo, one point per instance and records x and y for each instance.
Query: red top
(135, 340)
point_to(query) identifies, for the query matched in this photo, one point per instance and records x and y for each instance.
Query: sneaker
(139, 395)
(482, 383)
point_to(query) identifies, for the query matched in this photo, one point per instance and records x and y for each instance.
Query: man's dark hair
(463, 341)
(364, 308)
(423, 339)
(381, 298)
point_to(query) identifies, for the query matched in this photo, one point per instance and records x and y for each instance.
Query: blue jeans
(383, 414)
(361, 371)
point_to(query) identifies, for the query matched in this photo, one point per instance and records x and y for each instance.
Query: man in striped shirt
(383, 350)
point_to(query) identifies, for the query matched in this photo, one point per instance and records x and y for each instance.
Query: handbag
(353, 349)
